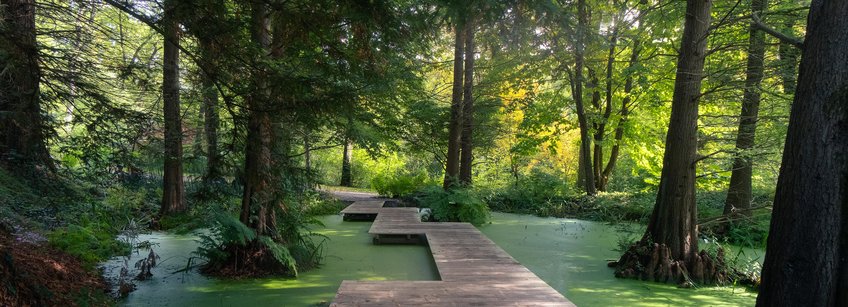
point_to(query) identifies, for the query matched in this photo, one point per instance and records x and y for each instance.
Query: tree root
(653, 262)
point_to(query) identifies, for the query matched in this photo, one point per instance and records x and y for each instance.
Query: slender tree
(455, 124)
(22, 129)
(807, 252)
(739, 192)
(466, 140)
(211, 119)
(585, 168)
(173, 200)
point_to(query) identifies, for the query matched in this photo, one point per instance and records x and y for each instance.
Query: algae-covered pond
(568, 254)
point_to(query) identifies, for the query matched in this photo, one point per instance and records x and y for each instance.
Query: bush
(531, 194)
(398, 185)
(455, 205)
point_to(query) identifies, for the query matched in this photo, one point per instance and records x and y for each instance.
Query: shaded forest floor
(34, 274)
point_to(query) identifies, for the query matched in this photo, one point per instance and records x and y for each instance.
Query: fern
(455, 205)
(281, 254)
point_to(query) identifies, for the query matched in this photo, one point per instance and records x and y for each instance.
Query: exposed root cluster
(653, 262)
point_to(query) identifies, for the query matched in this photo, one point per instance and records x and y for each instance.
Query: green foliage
(92, 244)
(316, 204)
(455, 205)
(529, 194)
(281, 254)
(399, 185)
(226, 230)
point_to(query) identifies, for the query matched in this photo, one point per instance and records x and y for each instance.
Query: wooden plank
(474, 270)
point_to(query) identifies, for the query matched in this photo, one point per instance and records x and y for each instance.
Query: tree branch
(757, 23)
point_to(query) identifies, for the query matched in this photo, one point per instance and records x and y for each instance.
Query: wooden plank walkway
(474, 271)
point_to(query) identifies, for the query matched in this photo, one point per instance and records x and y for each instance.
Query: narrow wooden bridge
(474, 271)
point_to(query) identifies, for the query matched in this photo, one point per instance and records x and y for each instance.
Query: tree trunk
(806, 261)
(672, 230)
(623, 112)
(739, 192)
(22, 130)
(788, 56)
(601, 177)
(257, 211)
(466, 141)
(173, 200)
(347, 179)
(307, 150)
(577, 94)
(211, 122)
(455, 125)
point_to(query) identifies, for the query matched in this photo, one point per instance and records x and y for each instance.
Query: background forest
(239, 116)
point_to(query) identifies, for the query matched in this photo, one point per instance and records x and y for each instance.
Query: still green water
(568, 254)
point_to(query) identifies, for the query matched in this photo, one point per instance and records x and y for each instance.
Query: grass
(333, 188)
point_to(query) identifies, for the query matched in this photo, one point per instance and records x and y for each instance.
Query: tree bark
(257, 211)
(806, 261)
(739, 193)
(577, 94)
(668, 250)
(674, 219)
(22, 129)
(173, 200)
(466, 140)
(455, 125)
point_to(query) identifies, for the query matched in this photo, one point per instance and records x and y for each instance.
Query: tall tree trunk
(257, 211)
(455, 125)
(600, 177)
(674, 219)
(347, 178)
(173, 200)
(466, 140)
(806, 261)
(210, 127)
(577, 94)
(672, 233)
(22, 130)
(624, 111)
(739, 193)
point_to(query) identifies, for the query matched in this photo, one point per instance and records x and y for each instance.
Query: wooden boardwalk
(474, 271)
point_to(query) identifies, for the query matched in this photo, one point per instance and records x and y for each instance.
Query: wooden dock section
(474, 271)
(362, 210)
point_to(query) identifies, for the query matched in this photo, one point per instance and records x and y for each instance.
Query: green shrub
(398, 185)
(455, 205)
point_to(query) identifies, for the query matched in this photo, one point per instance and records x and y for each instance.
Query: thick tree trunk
(455, 125)
(258, 197)
(173, 200)
(466, 140)
(347, 178)
(577, 94)
(739, 192)
(22, 130)
(806, 260)
(672, 229)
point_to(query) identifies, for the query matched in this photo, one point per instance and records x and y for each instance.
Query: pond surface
(570, 255)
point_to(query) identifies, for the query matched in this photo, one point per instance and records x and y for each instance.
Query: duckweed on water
(570, 255)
